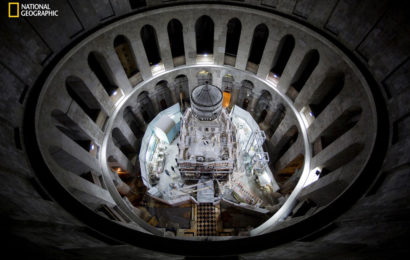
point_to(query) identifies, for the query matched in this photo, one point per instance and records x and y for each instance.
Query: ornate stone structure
(207, 145)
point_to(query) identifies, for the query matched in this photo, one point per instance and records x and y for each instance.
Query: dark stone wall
(376, 33)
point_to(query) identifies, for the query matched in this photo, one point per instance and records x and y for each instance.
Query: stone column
(291, 67)
(139, 54)
(252, 104)
(117, 71)
(219, 41)
(164, 47)
(128, 134)
(189, 40)
(318, 76)
(269, 53)
(284, 125)
(81, 160)
(192, 81)
(140, 118)
(235, 92)
(245, 42)
(88, 192)
(89, 127)
(120, 158)
(174, 92)
(268, 119)
(154, 102)
(83, 71)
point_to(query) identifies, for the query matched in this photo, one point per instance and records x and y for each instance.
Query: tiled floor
(206, 218)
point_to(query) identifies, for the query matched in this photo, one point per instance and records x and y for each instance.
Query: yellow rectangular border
(18, 10)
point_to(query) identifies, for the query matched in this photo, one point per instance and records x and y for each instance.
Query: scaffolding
(206, 148)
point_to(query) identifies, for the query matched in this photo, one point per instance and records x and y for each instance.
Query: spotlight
(313, 176)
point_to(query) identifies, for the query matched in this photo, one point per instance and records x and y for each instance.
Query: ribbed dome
(206, 102)
(206, 95)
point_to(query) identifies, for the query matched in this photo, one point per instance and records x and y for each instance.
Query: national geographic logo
(16, 10)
